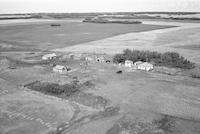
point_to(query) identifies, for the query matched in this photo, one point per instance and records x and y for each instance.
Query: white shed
(128, 63)
(49, 56)
(59, 68)
(145, 66)
(137, 63)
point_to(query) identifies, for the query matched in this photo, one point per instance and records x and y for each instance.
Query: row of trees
(169, 59)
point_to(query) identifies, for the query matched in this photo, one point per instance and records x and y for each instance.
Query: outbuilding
(145, 66)
(59, 68)
(108, 61)
(89, 58)
(128, 63)
(137, 63)
(49, 56)
(100, 59)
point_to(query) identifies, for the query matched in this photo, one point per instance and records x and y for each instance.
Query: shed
(128, 63)
(100, 59)
(59, 68)
(77, 56)
(108, 61)
(145, 66)
(137, 63)
(88, 58)
(49, 56)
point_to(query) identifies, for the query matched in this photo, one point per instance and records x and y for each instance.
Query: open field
(45, 37)
(105, 102)
(181, 39)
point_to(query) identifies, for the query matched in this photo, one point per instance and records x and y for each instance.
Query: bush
(169, 59)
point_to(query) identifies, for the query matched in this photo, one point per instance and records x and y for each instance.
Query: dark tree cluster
(54, 88)
(169, 59)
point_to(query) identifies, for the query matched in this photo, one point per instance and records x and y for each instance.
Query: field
(105, 102)
(181, 39)
(45, 37)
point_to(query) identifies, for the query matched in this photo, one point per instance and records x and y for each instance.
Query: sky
(35, 6)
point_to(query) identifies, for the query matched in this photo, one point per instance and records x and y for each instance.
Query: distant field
(191, 47)
(43, 36)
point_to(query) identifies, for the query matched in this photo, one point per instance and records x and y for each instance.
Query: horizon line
(100, 12)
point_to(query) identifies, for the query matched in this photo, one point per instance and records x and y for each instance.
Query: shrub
(53, 88)
(169, 59)
(119, 58)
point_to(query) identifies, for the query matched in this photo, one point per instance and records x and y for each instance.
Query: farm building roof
(59, 67)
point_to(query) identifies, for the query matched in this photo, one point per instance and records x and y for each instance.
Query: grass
(44, 36)
(127, 125)
(195, 73)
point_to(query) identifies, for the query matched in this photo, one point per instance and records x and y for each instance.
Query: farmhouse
(49, 56)
(145, 66)
(59, 68)
(128, 63)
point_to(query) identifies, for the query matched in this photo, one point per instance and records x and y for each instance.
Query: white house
(59, 68)
(49, 56)
(128, 63)
(145, 66)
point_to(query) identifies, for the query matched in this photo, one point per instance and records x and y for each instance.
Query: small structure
(145, 66)
(120, 64)
(77, 56)
(108, 61)
(59, 68)
(88, 58)
(137, 63)
(128, 63)
(100, 59)
(49, 56)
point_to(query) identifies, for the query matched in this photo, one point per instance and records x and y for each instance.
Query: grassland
(45, 37)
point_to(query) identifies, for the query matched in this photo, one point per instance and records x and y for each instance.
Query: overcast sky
(28, 6)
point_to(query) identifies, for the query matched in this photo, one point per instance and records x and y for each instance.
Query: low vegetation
(55, 25)
(128, 125)
(169, 59)
(101, 20)
(195, 73)
(54, 88)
